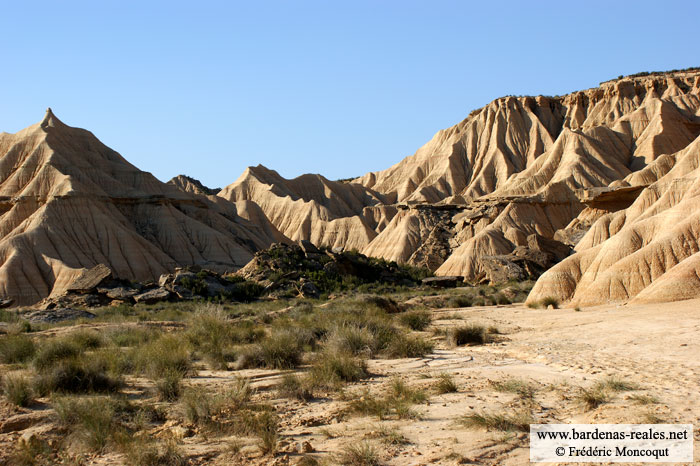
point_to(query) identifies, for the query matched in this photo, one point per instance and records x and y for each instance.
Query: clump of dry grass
(519, 421)
(360, 454)
(445, 384)
(17, 389)
(521, 388)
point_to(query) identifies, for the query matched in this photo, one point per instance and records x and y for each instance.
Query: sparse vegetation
(519, 421)
(593, 397)
(391, 436)
(619, 385)
(293, 386)
(550, 301)
(17, 389)
(416, 320)
(16, 349)
(643, 399)
(362, 454)
(91, 420)
(471, 334)
(332, 367)
(521, 388)
(445, 384)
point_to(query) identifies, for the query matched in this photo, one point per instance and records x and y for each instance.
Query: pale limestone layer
(69, 202)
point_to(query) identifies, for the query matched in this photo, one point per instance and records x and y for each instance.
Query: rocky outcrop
(648, 252)
(190, 185)
(69, 203)
(521, 166)
(304, 270)
(310, 207)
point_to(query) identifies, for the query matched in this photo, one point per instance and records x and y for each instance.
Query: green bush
(92, 420)
(295, 387)
(76, 375)
(16, 349)
(331, 368)
(445, 384)
(281, 350)
(416, 320)
(162, 356)
(168, 386)
(550, 301)
(17, 389)
(409, 346)
(461, 301)
(468, 335)
(52, 351)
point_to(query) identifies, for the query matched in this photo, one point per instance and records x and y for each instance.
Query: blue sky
(338, 88)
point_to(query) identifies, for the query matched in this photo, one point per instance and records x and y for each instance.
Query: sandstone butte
(610, 172)
(70, 203)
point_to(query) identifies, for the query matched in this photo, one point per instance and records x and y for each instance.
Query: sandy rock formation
(311, 207)
(191, 185)
(647, 252)
(69, 203)
(473, 195)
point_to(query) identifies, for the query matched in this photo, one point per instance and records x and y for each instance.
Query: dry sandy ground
(557, 351)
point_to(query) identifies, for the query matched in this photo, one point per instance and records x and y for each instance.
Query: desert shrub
(359, 454)
(550, 301)
(397, 402)
(353, 339)
(468, 335)
(391, 436)
(267, 429)
(126, 336)
(445, 384)
(401, 391)
(85, 339)
(409, 346)
(643, 399)
(211, 333)
(460, 301)
(33, 451)
(281, 350)
(293, 386)
(500, 298)
(617, 384)
(52, 351)
(91, 420)
(168, 386)
(519, 421)
(199, 405)
(16, 349)
(331, 368)
(76, 375)
(246, 291)
(416, 320)
(520, 387)
(386, 304)
(142, 452)
(17, 389)
(162, 356)
(593, 397)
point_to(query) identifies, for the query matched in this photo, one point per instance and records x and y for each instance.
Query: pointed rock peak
(50, 119)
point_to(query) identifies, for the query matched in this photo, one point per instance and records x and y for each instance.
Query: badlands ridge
(597, 191)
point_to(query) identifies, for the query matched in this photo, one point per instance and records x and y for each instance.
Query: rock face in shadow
(69, 203)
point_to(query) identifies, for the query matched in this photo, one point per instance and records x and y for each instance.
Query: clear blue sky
(338, 88)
